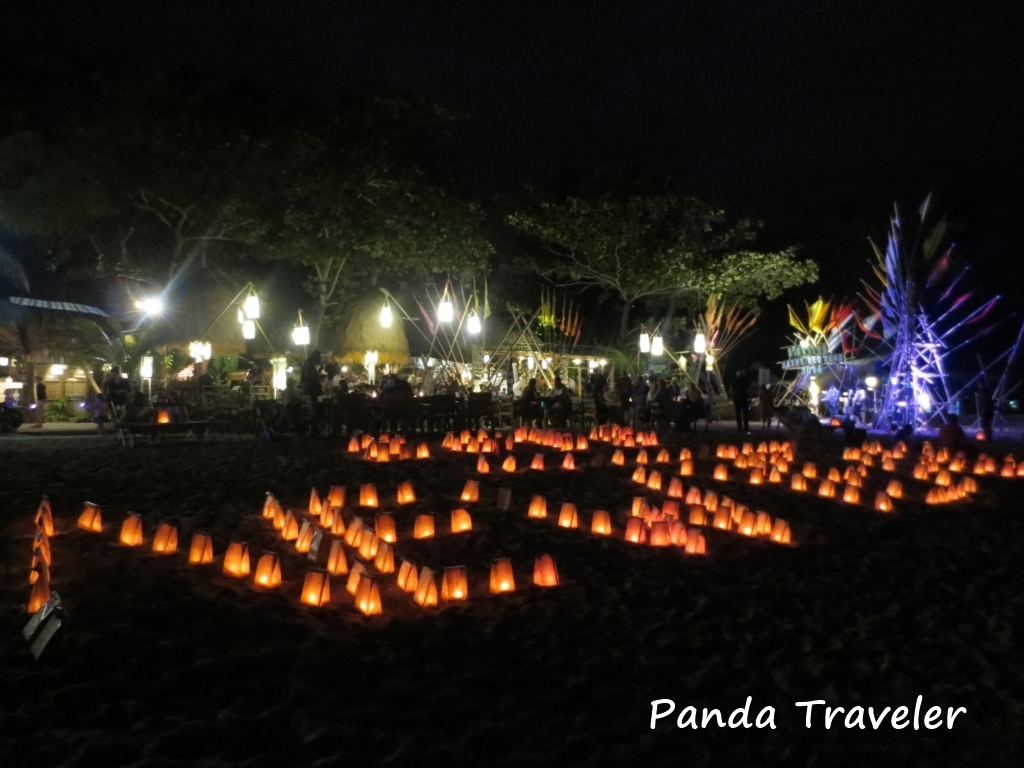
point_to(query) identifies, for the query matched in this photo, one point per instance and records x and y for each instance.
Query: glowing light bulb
(385, 316)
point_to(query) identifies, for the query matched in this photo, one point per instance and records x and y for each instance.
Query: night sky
(814, 116)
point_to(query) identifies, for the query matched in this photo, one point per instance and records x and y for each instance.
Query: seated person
(529, 403)
(559, 403)
(951, 435)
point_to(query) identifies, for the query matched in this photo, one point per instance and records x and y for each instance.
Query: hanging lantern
(131, 531)
(368, 545)
(502, 579)
(780, 532)
(236, 560)
(268, 571)
(407, 577)
(482, 467)
(461, 521)
(601, 524)
(423, 527)
(810, 471)
(645, 342)
(352, 582)
(300, 333)
(368, 495)
(538, 508)
(91, 519)
(290, 529)
(445, 310)
(567, 516)
(721, 473)
(385, 315)
(316, 589)
(509, 464)
(384, 560)
(798, 483)
(545, 573)
(618, 458)
(454, 584)
(201, 550)
(695, 544)
(166, 540)
(337, 562)
(538, 462)
(425, 595)
(636, 531)
(470, 491)
(895, 489)
(305, 538)
(827, 489)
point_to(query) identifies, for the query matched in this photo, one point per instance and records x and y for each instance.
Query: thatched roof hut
(45, 329)
(362, 333)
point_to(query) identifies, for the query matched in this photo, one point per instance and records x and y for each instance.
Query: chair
(505, 413)
(478, 408)
(401, 408)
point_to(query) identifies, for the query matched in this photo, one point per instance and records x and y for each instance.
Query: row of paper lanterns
(39, 570)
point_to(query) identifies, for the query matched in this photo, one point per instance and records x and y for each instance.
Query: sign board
(812, 358)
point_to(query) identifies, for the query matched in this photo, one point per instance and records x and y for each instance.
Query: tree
(365, 200)
(637, 245)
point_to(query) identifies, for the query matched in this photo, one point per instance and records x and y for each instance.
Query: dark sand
(163, 664)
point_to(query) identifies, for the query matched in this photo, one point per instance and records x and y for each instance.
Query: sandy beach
(161, 663)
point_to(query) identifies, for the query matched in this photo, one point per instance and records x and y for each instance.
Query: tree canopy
(655, 245)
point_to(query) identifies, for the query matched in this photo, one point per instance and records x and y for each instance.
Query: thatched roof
(56, 328)
(362, 332)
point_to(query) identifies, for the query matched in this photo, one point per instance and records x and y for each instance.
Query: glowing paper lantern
(545, 573)
(353, 445)
(368, 495)
(268, 571)
(883, 503)
(660, 535)
(336, 496)
(895, 489)
(44, 517)
(354, 532)
(352, 583)
(636, 531)
(305, 538)
(407, 576)
(618, 458)
(763, 524)
(290, 529)
(538, 462)
(454, 584)
(368, 545)
(710, 501)
(721, 472)
(538, 508)
(601, 524)
(798, 483)
(337, 562)
(567, 516)
(422, 451)
(384, 560)
(236, 560)
(131, 531)
(482, 467)
(40, 594)
(316, 589)
(686, 468)
(695, 544)
(851, 495)
(693, 496)
(201, 550)
(723, 519)
(471, 491)
(502, 579)
(166, 540)
(569, 462)
(780, 532)
(461, 521)
(423, 528)
(697, 515)
(316, 506)
(509, 464)
(640, 476)
(757, 477)
(425, 595)
(810, 471)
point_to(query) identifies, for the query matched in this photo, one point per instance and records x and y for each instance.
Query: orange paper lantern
(368, 545)
(315, 505)
(422, 451)
(454, 584)
(721, 472)
(538, 462)
(618, 458)
(384, 527)
(636, 531)
(384, 560)
(567, 516)
(883, 503)
(40, 594)
(368, 495)
(131, 531)
(290, 528)
(201, 550)
(425, 595)
(851, 495)
(368, 597)
(354, 532)
(316, 589)
(827, 489)
(654, 481)
(538, 508)
(693, 496)
(407, 577)
(461, 521)
(569, 462)
(44, 517)
(336, 496)
(352, 583)
(660, 535)
(545, 573)
(601, 523)
(502, 579)
(91, 519)
(268, 571)
(697, 515)
(236, 560)
(810, 471)
(640, 475)
(509, 464)
(895, 489)
(423, 528)
(798, 483)
(482, 467)
(337, 562)
(305, 538)
(166, 540)
(695, 544)
(470, 491)
(405, 493)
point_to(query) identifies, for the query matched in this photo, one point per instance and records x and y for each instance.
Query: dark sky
(807, 114)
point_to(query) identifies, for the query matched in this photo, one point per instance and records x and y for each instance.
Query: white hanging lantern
(249, 329)
(300, 335)
(241, 316)
(645, 342)
(530, 362)
(252, 307)
(473, 325)
(657, 346)
(445, 310)
(700, 344)
(385, 316)
(146, 369)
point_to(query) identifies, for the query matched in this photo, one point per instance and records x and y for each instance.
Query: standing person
(766, 404)
(623, 392)
(986, 410)
(598, 386)
(40, 403)
(310, 376)
(741, 400)
(640, 392)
